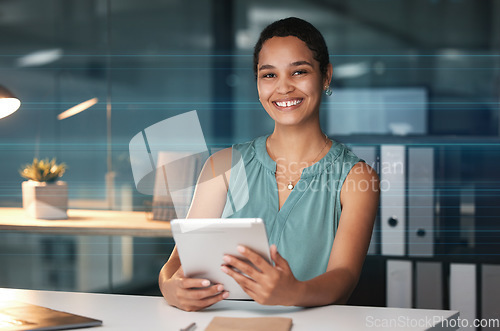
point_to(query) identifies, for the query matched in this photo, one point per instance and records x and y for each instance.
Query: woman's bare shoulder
(220, 161)
(362, 171)
(223, 155)
(362, 182)
(211, 189)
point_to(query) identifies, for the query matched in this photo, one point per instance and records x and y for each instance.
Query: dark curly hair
(305, 31)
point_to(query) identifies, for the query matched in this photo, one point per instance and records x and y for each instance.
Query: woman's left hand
(266, 284)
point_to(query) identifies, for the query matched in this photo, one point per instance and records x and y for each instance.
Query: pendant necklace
(290, 185)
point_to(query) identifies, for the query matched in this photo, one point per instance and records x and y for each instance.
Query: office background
(410, 77)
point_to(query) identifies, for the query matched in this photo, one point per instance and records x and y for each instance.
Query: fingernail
(205, 282)
(220, 288)
(225, 295)
(226, 259)
(224, 269)
(241, 249)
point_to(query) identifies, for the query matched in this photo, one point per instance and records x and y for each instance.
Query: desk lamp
(8, 102)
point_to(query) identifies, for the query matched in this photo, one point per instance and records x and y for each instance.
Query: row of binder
(407, 227)
(406, 181)
(472, 289)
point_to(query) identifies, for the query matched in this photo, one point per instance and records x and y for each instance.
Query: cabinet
(443, 218)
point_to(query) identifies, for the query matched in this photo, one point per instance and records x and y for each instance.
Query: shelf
(87, 222)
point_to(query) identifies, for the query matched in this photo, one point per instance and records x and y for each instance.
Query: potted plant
(44, 196)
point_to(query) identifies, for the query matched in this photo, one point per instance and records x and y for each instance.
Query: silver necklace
(290, 185)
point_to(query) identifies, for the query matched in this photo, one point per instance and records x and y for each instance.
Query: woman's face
(289, 81)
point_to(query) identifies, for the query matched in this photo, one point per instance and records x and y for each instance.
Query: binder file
(369, 154)
(429, 285)
(399, 284)
(463, 291)
(420, 201)
(490, 293)
(392, 198)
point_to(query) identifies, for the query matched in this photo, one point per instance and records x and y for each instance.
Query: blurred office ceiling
(428, 24)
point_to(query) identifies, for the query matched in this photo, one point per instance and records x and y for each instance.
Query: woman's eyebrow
(266, 66)
(293, 64)
(299, 63)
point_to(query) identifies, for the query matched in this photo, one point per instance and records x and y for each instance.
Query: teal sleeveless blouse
(304, 228)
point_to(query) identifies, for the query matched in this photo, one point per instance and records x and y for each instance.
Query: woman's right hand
(191, 294)
(209, 199)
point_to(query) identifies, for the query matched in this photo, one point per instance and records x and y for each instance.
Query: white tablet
(202, 243)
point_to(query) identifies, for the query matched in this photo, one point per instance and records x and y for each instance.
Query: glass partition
(421, 69)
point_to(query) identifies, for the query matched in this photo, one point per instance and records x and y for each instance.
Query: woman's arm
(359, 199)
(276, 285)
(208, 202)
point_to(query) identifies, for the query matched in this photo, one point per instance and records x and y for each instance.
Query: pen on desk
(190, 327)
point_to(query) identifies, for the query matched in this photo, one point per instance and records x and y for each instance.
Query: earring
(328, 90)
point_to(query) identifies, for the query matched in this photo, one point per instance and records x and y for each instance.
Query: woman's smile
(288, 104)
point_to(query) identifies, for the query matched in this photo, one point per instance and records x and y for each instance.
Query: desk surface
(86, 222)
(124, 312)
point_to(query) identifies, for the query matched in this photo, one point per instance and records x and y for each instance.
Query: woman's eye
(268, 75)
(299, 72)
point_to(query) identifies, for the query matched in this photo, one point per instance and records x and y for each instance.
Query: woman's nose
(285, 86)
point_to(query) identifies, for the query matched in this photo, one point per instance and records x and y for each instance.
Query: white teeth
(288, 103)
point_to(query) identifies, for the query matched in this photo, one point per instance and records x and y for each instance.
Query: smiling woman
(319, 229)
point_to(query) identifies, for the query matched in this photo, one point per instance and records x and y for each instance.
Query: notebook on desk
(16, 315)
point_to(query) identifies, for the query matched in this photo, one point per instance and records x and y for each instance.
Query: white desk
(124, 312)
